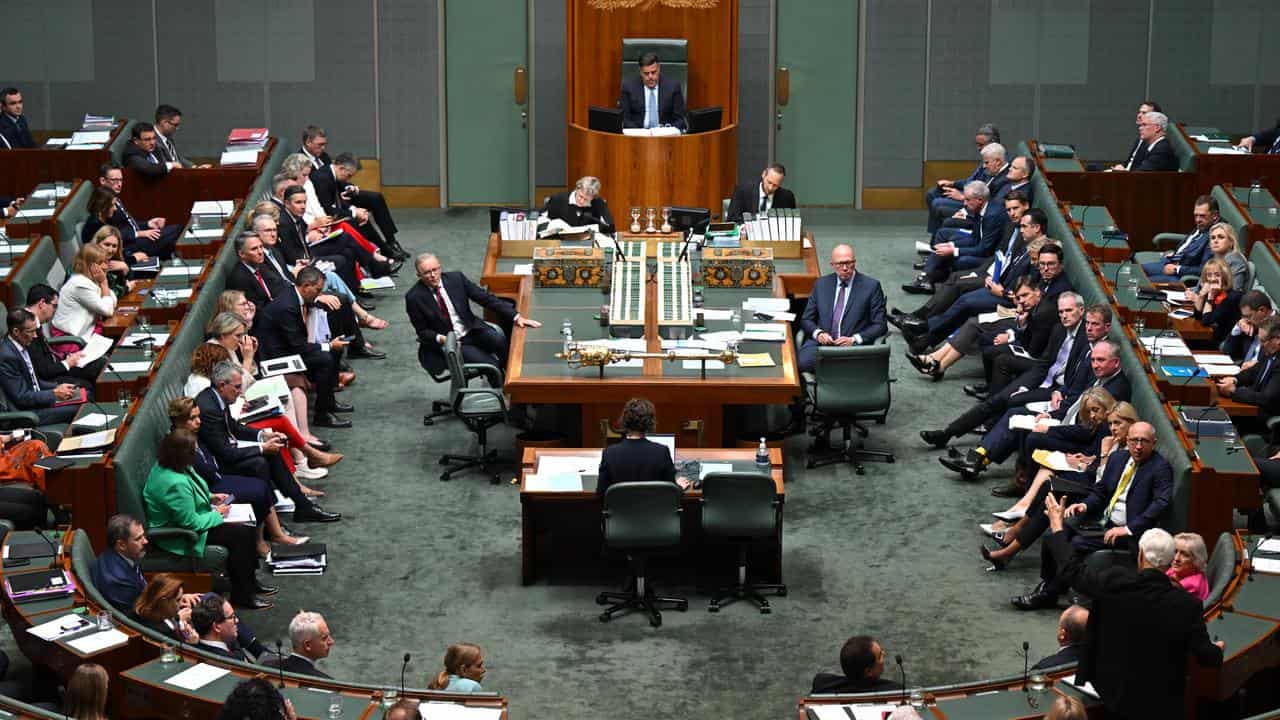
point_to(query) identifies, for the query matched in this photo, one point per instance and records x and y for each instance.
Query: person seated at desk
(42, 302)
(258, 699)
(1154, 151)
(440, 303)
(299, 243)
(1129, 499)
(310, 640)
(581, 206)
(1242, 343)
(463, 669)
(1144, 107)
(363, 243)
(649, 100)
(214, 620)
(862, 662)
(995, 174)
(141, 153)
(1190, 254)
(1217, 304)
(1260, 384)
(1266, 141)
(1225, 247)
(1072, 637)
(1190, 558)
(116, 573)
(947, 196)
(844, 308)
(84, 302)
(108, 238)
(86, 696)
(165, 608)
(15, 134)
(158, 237)
(763, 196)
(636, 459)
(168, 121)
(52, 402)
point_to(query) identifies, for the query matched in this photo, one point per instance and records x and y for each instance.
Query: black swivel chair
(742, 508)
(851, 384)
(479, 408)
(641, 519)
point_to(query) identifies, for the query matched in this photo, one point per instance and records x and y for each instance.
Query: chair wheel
(656, 620)
(443, 461)
(604, 617)
(428, 421)
(601, 599)
(765, 609)
(782, 592)
(444, 477)
(860, 470)
(713, 608)
(495, 479)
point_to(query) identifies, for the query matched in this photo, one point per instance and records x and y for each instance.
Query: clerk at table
(764, 195)
(648, 100)
(581, 206)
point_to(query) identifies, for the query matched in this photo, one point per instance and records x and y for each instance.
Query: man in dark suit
(168, 121)
(142, 155)
(42, 302)
(1017, 179)
(221, 434)
(1142, 628)
(22, 386)
(215, 622)
(1138, 150)
(1244, 344)
(862, 662)
(336, 194)
(1260, 384)
(966, 242)
(1190, 254)
(14, 131)
(1072, 636)
(1129, 499)
(582, 206)
(1154, 151)
(1264, 141)
(440, 303)
(116, 573)
(648, 100)
(155, 237)
(947, 196)
(765, 195)
(298, 242)
(258, 279)
(311, 641)
(314, 143)
(844, 308)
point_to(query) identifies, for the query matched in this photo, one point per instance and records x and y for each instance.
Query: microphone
(403, 667)
(903, 673)
(1026, 666)
(280, 654)
(684, 252)
(40, 531)
(617, 246)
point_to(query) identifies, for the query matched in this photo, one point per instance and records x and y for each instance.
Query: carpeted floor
(417, 563)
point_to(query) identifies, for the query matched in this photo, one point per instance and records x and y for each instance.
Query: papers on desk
(60, 627)
(94, 420)
(95, 347)
(42, 212)
(766, 304)
(385, 282)
(4, 272)
(764, 332)
(212, 233)
(664, 131)
(560, 227)
(232, 158)
(213, 207)
(706, 468)
(721, 338)
(12, 250)
(523, 269)
(1178, 297)
(710, 314)
(240, 513)
(1054, 460)
(139, 339)
(752, 360)
(139, 366)
(1029, 422)
(197, 676)
(99, 641)
(1265, 565)
(550, 465)
(85, 146)
(1212, 359)
(57, 142)
(1216, 370)
(181, 294)
(558, 482)
(697, 364)
(1169, 346)
(1227, 150)
(181, 270)
(456, 711)
(100, 439)
(1269, 545)
(90, 137)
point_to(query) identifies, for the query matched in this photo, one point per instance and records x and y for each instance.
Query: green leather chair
(1221, 568)
(851, 384)
(444, 408)
(742, 508)
(673, 57)
(479, 408)
(83, 558)
(641, 519)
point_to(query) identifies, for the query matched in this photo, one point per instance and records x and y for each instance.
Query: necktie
(1252, 352)
(444, 309)
(1059, 363)
(211, 460)
(127, 216)
(35, 381)
(1262, 376)
(152, 158)
(839, 314)
(263, 283)
(1125, 477)
(764, 203)
(226, 417)
(1185, 244)
(1137, 146)
(651, 107)
(1275, 147)
(7, 144)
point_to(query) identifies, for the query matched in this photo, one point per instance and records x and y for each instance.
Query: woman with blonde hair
(1190, 559)
(108, 238)
(463, 669)
(1226, 247)
(1217, 303)
(85, 300)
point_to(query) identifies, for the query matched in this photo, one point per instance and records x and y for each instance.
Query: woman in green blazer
(175, 496)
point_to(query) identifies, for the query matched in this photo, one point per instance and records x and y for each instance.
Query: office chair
(742, 508)
(850, 384)
(641, 519)
(157, 560)
(478, 408)
(444, 408)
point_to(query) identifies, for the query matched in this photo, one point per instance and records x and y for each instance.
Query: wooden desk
(1261, 213)
(979, 700)
(551, 521)
(20, 170)
(690, 170)
(1230, 169)
(172, 195)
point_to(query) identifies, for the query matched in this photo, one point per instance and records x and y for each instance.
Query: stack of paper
(90, 137)
(238, 158)
(97, 122)
(777, 225)
(218, 208)
(764, 332)
(60, 627)
(99, 641)
(1029, 422)
(240, 513)
(1168, 346)
(304, 559)
(247, 138)
(521, 226)
(197, 676)
(140, 338)
(766, 305)
(96, 347)
(560, 227)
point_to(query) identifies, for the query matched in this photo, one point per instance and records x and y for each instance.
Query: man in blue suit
(845, 308)
(51, 402)
(116, 573)
(14, 131)
(1192, 252)
(945, 198)
(1134, 492)
(649, 100)
(966, 242)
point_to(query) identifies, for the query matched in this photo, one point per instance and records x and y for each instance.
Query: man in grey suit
(18, 375)
(845, 308)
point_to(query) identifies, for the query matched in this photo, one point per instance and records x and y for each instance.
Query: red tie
(263, 283)
(444, 309)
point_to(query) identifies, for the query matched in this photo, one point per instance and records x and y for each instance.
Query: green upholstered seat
(70, 222)
(1221, 568)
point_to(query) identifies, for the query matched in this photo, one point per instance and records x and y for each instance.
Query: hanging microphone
(280, 654)
(1026, 665)
(902, 671)
(403, 667)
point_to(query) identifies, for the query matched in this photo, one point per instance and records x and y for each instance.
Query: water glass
(389, 697)
(917, 699)
(104, 621)
(1037, 683)
(736, 319)
(1230, 437)
(168, 654)
(1139, 325)
(126, 398)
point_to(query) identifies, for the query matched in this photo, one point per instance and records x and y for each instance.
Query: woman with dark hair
(163, 607)
(463, 669)
(256, 699)
(636, 459)
(102, 205)
(86, 697)
(175, 496)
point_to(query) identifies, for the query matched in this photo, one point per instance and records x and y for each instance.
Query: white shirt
(458, 328)
(80, 305)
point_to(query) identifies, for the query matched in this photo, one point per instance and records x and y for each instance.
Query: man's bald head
(843, 261)
(1141, 440)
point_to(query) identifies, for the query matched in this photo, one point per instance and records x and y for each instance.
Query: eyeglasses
(1140, 441)
(842, 263)
(429, 271)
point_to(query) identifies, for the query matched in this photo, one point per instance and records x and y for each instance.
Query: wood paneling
(412, 196)
(906, 198)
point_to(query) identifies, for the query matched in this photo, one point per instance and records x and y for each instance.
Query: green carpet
(417, 563)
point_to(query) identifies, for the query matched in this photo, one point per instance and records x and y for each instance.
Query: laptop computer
(604, 119)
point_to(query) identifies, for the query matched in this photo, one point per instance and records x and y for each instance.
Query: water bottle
(335, 706)
(762, 457)
(566, 330)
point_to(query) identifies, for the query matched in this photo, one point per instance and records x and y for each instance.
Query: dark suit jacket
(150, 164)
(428, 320)
(1025, 187)
(997, 184)
(670, 103)
(1066, 654)
(293, 238)
(170, 152)
(1223, 316)
(295, 664)
(1035, 337)
(1141, 630)
(16, 131)
(634, 461)
(830, 683)
(242, 278)
(559, 208)
(1259, 385)
(1160, 157)
(1149, 492)
(119, 582)
(1192, 257)
(15, 378)
(863, 309)
(120, 220)
(217, 428)
(235, 653)
(746, 199)
(1238, 345)
(1136, 153)
(1059, 336)
(281, 328)
(984, 232)
(1055, 287)
(329, 192)
(1117, 385)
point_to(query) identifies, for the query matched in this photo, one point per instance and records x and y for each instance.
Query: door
(816, 98)
(486, 43)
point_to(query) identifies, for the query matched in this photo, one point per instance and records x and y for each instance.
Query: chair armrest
(463, 393)
(172, 532)
(1165, 239)
(1272, 422)
(12, 419)
(489, 372)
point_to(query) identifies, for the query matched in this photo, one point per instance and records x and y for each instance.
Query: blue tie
(651, 107)
(1059, 363)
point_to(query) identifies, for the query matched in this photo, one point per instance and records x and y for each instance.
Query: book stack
(304, 559)
(243, 146)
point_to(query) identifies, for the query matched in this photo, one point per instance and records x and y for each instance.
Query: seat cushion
(480, 404)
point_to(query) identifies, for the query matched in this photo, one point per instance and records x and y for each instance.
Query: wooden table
(20, 170)
(171, 195)
(550, 521)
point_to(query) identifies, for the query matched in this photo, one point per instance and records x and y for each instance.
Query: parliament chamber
(763, 233)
